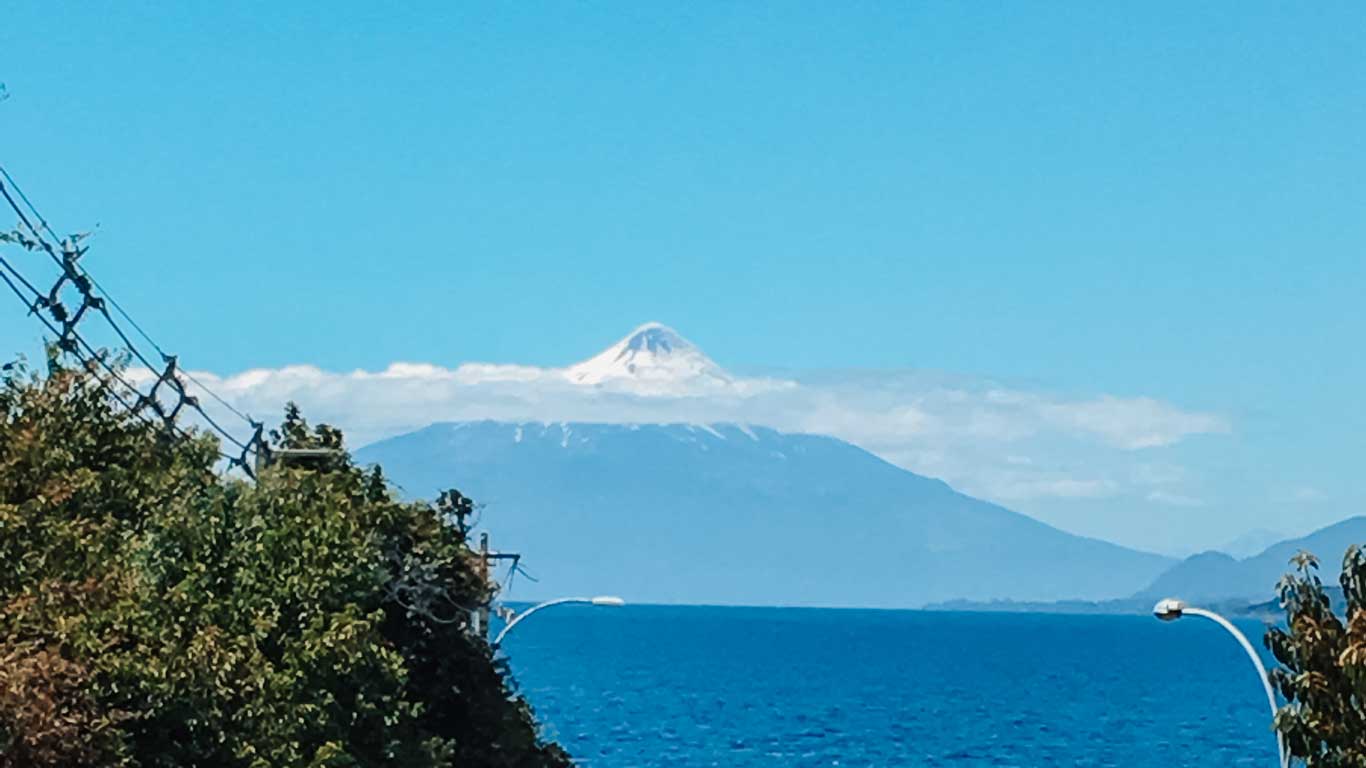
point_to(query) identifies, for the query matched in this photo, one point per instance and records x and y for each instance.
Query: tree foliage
(1323, 665)
(156, 613)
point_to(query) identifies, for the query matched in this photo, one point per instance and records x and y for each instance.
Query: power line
(32, 209)
(22, 279)
(91, 355)
(15, 186)
(110, 298)
(135, 412)
(70, 340)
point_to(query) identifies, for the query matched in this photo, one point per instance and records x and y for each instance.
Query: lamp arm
(1256, 660)
(518, 618)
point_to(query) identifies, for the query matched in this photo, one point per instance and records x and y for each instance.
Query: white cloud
(1134, 423)
(1002, 443)
(1056, 487)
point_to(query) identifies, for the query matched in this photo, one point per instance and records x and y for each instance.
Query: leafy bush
(156, 613)
(1323, 672)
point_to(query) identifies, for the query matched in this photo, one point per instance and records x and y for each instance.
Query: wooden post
(481, 616)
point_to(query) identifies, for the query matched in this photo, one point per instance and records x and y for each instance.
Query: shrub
(1323, 665)
(156, 612)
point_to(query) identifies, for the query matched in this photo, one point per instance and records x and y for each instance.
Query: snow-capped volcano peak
(655, 338)
(653, 355)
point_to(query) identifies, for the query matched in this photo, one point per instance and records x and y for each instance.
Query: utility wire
(71, 340)
(32, 308)
(117, 306)
(105, 294)
(144, 417)
(90, 356)
(113, 301)
(15, 186)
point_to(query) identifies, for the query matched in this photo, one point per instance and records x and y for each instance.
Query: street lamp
(600, 600)
(1172, 609)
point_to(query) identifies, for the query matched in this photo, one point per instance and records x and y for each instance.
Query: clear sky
(1088, 198)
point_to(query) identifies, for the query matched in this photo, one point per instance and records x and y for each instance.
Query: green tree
(156, 613)
(1323, 665)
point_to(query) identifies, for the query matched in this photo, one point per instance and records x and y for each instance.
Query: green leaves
(1322, 675)
(185, 618)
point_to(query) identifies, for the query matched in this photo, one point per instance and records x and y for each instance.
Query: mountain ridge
(740, 514)
(1215, 575)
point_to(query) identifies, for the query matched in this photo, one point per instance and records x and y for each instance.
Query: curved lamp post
(601, 600)
(1172, 609)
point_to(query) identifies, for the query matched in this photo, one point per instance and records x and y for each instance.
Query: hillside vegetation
(155, 613)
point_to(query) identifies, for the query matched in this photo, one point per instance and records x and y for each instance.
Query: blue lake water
(701, 686)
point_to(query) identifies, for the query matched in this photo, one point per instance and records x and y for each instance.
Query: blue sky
(1080, 199)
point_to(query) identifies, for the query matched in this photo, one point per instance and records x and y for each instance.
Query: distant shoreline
(1268, 611)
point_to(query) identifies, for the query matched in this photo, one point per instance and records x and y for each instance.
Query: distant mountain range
(1251, 543)
(1217, 576)
(744, 515)
(1214, 580)
(747, 515)
(727, 513)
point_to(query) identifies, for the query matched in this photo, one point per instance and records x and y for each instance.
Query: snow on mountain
(652, 352)
(654, 359)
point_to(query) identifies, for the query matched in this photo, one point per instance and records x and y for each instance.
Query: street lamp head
(611, 600)
(1169, 609)
(1172, 609)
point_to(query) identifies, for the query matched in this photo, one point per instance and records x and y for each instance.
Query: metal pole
(600, 600)
(1256, 660)
(481, 615)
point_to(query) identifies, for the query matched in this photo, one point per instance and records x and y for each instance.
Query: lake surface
(702, 686)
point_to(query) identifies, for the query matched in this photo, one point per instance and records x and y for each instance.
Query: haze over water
(701, 686)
